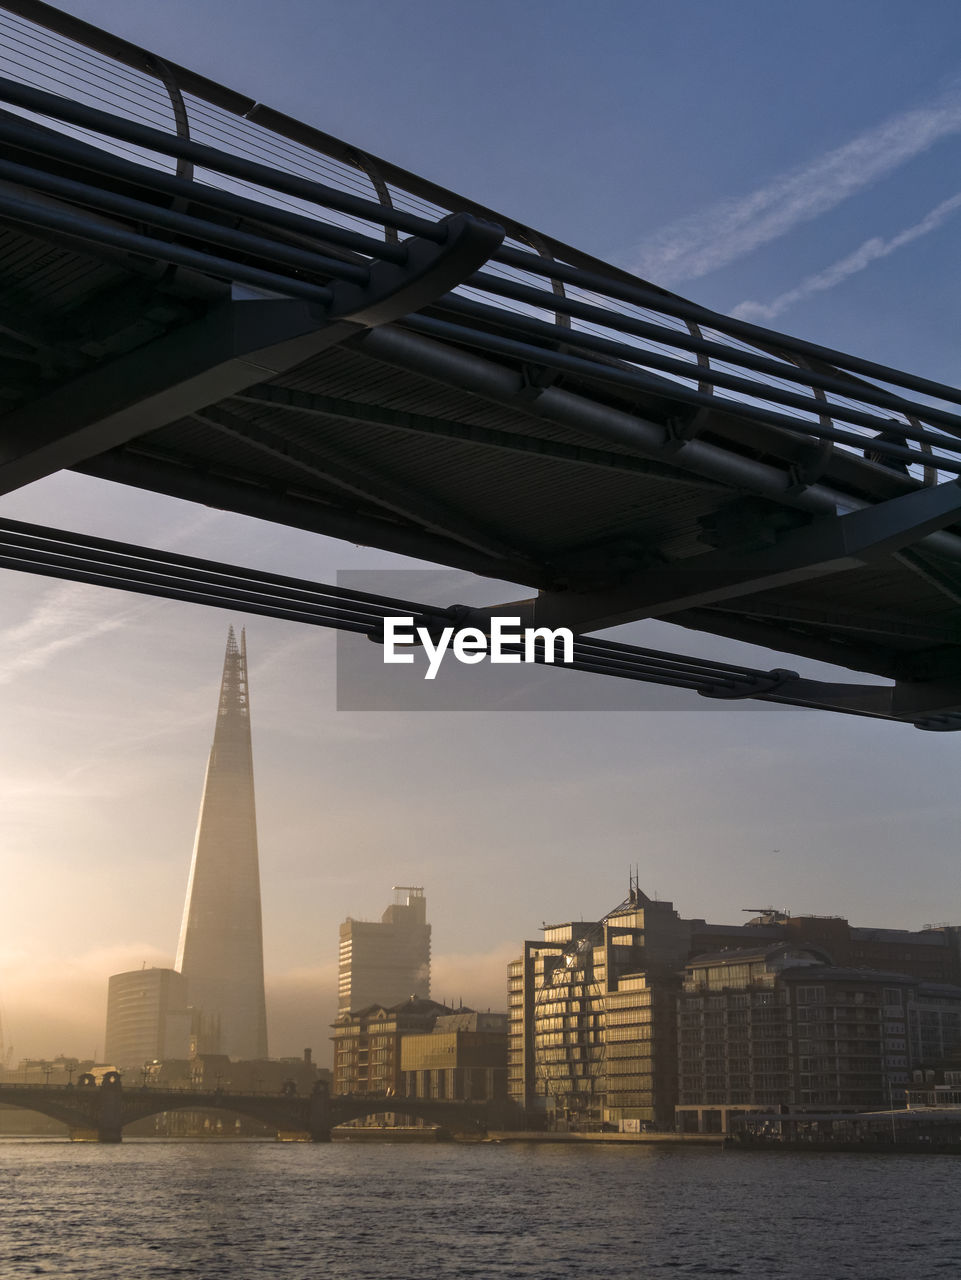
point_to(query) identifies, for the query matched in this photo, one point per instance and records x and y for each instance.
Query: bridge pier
(319, 1122)
(110, 1117)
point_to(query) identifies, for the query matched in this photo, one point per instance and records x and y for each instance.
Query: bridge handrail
(629, 333)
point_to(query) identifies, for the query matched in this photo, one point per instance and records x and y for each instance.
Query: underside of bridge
(204, 298)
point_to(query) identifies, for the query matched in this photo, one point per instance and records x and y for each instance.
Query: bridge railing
(537, 301)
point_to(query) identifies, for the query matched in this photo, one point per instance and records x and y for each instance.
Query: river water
(154, 1210)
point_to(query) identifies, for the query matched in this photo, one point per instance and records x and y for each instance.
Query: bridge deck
(105, 1109)
(203, 298)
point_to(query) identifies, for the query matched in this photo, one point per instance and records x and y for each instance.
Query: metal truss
(122, 566)
(824, 547)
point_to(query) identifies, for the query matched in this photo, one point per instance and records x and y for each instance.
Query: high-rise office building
(147, 1018)
(592, 1034)
(221, 943)
(386, 962)
(613, 1021)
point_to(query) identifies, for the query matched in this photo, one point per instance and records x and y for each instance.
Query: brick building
(367, 1044)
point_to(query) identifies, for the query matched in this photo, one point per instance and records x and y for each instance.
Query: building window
(810, 995)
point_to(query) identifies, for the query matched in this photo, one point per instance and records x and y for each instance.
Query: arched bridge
(102, 1112)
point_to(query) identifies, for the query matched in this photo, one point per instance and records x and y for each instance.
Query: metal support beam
(655, 389)
(825, 547)
(228, 349)
(181, 477)
(878, 623)
(208, 157)
(836, 650)
(915, 700)
(361, 479)
(949, 585)
(52, 552)
(232, 347)
(311, 404)
(494, 382)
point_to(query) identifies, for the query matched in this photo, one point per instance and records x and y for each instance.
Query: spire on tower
(221, 941)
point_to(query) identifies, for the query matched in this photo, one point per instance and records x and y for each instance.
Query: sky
(795, 165)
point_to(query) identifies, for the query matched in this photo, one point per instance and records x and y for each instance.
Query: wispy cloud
(716, 236)
(66, 616)
(866, 253)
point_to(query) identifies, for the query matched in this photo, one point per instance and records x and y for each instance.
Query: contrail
(734, 227)
(65, 616)
(870, 251)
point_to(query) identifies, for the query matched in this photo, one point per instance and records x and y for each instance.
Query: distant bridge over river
(101, 1112)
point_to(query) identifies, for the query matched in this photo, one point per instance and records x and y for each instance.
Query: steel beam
(311, 404)
(52, 552)
(863, 654)
(637, 383)
(822, 548)
(705, 372)
(208, 157)
(226, 350)
(24, 136)
(867, 623)
(182, 477)
(26, 180)
(495, 382)
(361, 479)
(232, 347)
(915, 700)
(948, 585)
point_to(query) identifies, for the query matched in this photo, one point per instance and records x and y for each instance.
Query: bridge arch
(106, 1110)
(468, 1116)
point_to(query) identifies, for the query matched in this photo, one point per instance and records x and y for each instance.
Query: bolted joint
(681, 429)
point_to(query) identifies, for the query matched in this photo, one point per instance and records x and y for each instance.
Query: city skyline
(105, 699)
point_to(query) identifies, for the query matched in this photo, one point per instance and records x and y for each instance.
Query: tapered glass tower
(221, 941)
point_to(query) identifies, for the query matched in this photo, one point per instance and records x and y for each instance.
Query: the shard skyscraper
(221, 941)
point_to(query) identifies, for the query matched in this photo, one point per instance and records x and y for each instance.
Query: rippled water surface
(353, 1212)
